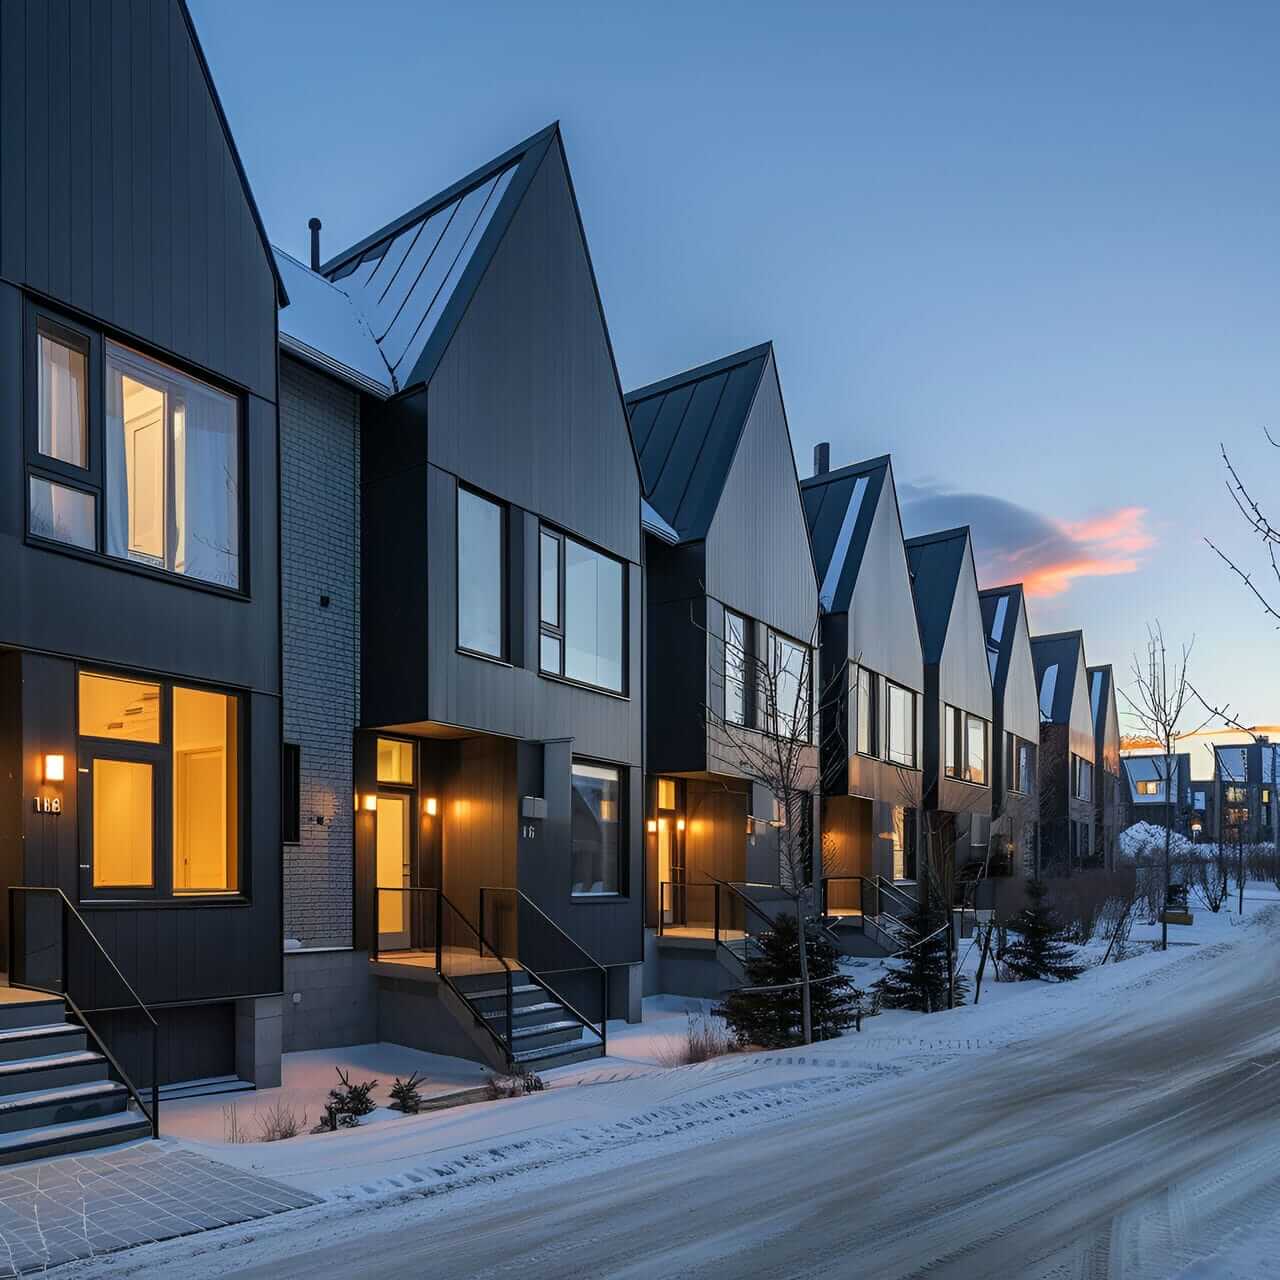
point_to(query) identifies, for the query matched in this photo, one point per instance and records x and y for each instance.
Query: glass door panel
(393, 872)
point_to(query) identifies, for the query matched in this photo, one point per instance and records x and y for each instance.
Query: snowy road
(1140, 1138)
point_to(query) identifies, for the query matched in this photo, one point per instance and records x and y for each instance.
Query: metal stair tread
(547, 1006)
(500, 991)
(76, 1058)
(129, 1123)
(576, 1051)
(566, 1024)
(60, 1093)
(50, 1029)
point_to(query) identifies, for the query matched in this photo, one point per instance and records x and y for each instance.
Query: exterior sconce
(431, 806)
(371, 803)
(54, 768)
(679, 824)
(652, 826)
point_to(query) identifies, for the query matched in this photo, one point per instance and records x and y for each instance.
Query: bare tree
(1260, 525)
(1161, 698)
(767, 733)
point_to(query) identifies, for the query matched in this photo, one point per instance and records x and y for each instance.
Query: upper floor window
(965, 740)
(866, 711)
(789, 675)
(481, 577)
(1237, 795)
(148, 472)
(1019, 763)
(902, 725)
(582, 612)
(1081, 778)
(737, 638)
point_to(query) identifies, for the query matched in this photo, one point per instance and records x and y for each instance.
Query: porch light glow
(371, 803)
(679, 824)
(54, 768)
(431, 806)
(652, 826)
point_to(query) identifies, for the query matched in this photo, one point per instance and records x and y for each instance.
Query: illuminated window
(975, 750)
(123, 824)
(112, 707)
(1149, 787)
(205, 785)
(951, 742)
(902, 725)
(666, 793)
(395, 761)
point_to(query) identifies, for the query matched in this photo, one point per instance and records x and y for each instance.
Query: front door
(393, 849)
(671, 872)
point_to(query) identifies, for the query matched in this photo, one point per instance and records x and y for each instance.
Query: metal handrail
(750, 905)
(507, 1044)
(592, 962)
(67, 906)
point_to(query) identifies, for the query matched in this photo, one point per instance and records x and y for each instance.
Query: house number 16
(528, 831)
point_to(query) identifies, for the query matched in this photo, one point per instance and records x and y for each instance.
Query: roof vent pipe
(821, 459)
(314, 224)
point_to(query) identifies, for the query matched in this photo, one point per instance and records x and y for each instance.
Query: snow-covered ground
(1050, 1123)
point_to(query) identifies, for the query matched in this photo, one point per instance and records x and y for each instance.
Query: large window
(791, 678)
(584, 592)
(481, 580)
(866, 711)
(902, 725)
(147, 472)
(1081, 778)
(975, 761)
(596, 830)
(965, 739)
(1019, 764)
(736, 654)
(161, 764)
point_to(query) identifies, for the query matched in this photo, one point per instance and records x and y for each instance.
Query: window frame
(748, 685)
(774, 641)
(970, 719)
(872, 751)
(504, 569)
(557, 631)
(912, 702)
(89, 747)
(623, 891)
(955, 736)
(91, 478)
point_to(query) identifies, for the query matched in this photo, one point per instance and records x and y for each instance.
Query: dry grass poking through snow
(705, 1037)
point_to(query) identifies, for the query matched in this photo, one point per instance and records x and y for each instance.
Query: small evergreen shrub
(347, 1103)
(1039, 949)
(405, 1095)
(918, 979)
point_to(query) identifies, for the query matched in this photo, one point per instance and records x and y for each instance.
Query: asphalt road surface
(1128, 1145)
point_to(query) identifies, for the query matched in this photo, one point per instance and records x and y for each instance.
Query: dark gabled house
(1067, 754)
(1108, 785)
(140, 671)
(730, 591)
(1160, 790)
(1015, 789)
(872, 681)
(490, 599)
(957, 699)
(1242, 801)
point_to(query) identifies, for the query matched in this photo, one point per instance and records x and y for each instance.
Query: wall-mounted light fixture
(371, 803)
(54, 768)
(431, 807)
(679, 824)
(652, 826)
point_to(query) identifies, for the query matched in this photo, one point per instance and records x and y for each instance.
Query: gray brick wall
(320, 532)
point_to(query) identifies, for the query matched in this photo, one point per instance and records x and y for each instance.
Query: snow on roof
(652, 522)
(322, 326)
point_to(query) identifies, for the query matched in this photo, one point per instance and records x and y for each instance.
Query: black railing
(522, 930)
(421, 925)
(879, 902)
(51, 961)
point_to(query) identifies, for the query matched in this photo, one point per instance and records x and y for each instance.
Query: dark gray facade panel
(121, 194)
(509, 412)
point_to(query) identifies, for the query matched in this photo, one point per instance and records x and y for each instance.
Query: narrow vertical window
(63, 393)
(735, 668)
(951, 739)
(481, 595)
(291, 794)
(902, 725)
(205, 799)
(976, 750)
(866, 712)
(596, 829)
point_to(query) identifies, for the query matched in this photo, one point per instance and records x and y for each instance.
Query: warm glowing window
(112, 707)
(951, 741)
(666, 793)
(902, 725)
(395, 761)
(172, 470)
(205, 798)
(123, 824)
(975, 768)
(1146, 787)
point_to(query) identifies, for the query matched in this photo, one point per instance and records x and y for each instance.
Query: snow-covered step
(73, 1135)
(545, 1059)
(38, 1107)
(546, 1034)
(80, 1066)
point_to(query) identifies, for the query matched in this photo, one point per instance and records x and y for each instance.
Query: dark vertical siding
(121, 195)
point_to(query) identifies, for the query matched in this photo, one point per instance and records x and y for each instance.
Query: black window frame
(872, 750)
(92, 339)
(955, 734)
(290, 793)
(623, 891)
(160, 893)
(557, 631)
(748, 657)
(912, 707)
(504, 556)
(774, 640)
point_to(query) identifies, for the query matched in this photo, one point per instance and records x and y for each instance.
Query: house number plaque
(48, 804)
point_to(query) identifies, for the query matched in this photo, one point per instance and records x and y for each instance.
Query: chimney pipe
(314, 224)
(821, 459)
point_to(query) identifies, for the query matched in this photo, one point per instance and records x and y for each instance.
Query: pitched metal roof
(840, 507)
(322, 326)
(1000, 609)
(686, 431)
(1056, 657)
(936, 560)
(409, 282)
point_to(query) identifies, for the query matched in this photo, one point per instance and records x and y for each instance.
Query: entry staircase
(866, 915)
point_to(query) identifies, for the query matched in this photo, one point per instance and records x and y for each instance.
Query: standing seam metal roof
(838, 529)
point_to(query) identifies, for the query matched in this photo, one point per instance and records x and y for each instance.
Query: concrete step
(27, 1009)
(52, 1071)
(554, 1056)
(543, 1034)
(37, 1107)
(31, 1042)
(524, 1015)
(495, 980)
(73, 1135)
(522, 997)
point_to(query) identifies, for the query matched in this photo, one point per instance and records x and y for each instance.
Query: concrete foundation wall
(330, 1000)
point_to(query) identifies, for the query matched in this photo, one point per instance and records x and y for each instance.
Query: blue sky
(1031, 250)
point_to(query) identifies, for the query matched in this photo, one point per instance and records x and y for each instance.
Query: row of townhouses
(370, 654)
